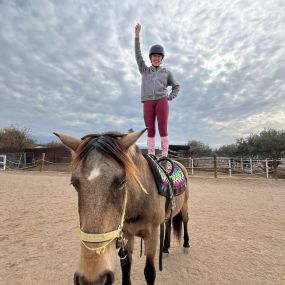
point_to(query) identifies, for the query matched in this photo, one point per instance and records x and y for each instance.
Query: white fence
(18, 161)
(234, 166)
(218, 166)
(27, 161)
(2, 162)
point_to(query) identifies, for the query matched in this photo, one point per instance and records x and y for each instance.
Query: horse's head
(102, 164)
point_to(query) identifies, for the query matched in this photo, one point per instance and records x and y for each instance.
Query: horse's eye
(119, 182)
(75, 182)
(123, 183)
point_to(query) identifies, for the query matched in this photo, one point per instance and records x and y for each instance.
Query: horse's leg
(185, 218)
(150, 249)
(166, 244)
(126, 266)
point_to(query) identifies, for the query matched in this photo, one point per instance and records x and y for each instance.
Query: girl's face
(156, 59)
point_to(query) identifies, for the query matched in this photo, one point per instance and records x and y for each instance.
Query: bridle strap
(105, 237)
(99, 237)
(109, 236)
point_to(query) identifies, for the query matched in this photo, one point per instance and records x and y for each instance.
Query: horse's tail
(177, 226)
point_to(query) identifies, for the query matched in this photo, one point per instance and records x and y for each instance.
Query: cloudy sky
(69, 66)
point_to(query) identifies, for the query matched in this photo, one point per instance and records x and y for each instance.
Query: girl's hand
(137, 29)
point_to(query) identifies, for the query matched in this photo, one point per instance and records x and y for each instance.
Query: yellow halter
(109, 236)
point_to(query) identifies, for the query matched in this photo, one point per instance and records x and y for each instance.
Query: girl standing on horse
(154, 94)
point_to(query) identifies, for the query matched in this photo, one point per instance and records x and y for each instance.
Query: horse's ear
(131, 138)
(68, 141)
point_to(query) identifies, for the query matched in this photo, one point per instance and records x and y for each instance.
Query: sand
(237, 233)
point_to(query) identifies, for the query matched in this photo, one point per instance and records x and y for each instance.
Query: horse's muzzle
(107, 278)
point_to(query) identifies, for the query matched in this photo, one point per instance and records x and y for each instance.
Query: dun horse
(118, 200)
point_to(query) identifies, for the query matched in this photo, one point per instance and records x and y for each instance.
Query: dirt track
(237, 233)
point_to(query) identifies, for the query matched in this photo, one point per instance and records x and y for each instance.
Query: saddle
(169, 178)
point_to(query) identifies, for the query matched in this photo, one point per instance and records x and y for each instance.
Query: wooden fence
(214, 166)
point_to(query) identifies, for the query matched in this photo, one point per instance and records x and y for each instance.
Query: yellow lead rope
(141, 186)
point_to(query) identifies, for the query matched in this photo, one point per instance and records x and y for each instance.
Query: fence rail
(268, 168)
(216, 166)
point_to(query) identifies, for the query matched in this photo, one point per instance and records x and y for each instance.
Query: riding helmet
(157, 49)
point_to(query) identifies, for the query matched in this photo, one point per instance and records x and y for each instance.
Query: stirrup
(152, 156)
(162, 161)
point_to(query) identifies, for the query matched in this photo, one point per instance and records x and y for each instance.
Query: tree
(198, 148)
(228, 150)
(268, 143)
(17, 139)
(271, 143)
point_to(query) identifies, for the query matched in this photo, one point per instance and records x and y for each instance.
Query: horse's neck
(142, 177)
(140, 188)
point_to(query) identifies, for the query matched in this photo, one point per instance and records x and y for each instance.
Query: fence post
(250, 161)
(266, 167)
(215, 166)
(43, 161)
(230, 168)
(19, 163)
(274, 166)
(192, 166)
(4, 160)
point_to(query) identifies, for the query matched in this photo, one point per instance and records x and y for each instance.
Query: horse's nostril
(76, 279)
(108, 278)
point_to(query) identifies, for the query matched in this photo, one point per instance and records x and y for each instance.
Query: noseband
(109, 237)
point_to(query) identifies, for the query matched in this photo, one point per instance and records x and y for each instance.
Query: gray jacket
(154, 81)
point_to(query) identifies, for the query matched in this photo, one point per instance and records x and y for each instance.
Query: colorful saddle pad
(168, 178)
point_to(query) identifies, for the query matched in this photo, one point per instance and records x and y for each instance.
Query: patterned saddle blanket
(168, 175)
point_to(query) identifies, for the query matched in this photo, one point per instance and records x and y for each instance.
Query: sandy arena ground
(237, 233)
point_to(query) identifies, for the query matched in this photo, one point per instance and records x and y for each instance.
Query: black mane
(109, 144)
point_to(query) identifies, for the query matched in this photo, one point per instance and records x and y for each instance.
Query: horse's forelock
(107, 144)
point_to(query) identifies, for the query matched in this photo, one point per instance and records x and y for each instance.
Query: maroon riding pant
(156, 108)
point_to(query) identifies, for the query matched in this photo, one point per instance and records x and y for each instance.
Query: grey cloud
(70, 65)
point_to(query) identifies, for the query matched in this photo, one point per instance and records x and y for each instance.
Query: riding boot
(164, 146)
(151, 145)
(164, 151)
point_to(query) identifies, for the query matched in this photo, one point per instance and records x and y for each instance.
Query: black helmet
(156, 49)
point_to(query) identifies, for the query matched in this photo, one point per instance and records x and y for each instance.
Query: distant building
(179, 150)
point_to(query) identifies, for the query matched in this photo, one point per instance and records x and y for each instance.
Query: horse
(118, 200)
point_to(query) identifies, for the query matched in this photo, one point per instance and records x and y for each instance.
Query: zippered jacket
(154, 80)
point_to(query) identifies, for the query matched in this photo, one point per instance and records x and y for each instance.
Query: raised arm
(175, 86)
(141, 64)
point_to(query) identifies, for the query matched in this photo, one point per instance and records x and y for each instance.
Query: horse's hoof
(165, 255)
(186, 250)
